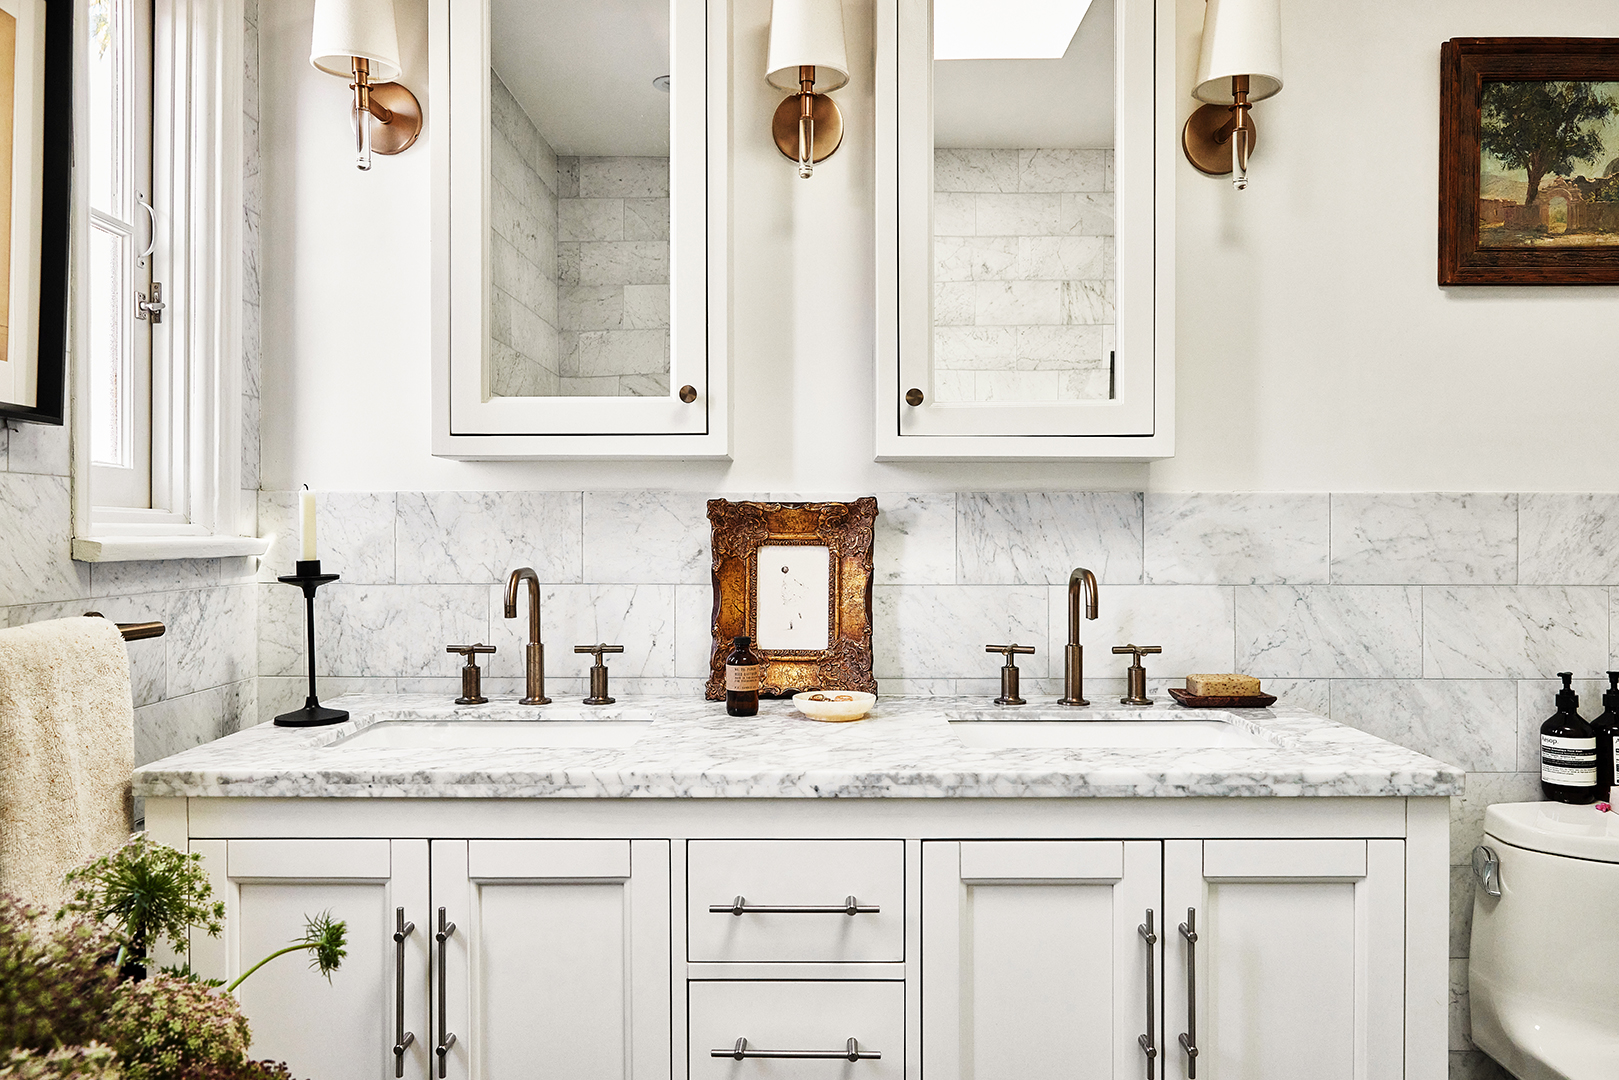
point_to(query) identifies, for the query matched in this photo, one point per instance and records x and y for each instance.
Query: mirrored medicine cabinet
(1025, 229)
(579, 195)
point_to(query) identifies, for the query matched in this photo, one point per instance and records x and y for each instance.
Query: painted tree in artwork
(1544, 128)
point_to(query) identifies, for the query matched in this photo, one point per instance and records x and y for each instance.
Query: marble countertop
(905, 749)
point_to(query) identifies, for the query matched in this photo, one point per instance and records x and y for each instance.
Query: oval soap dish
(834, 706)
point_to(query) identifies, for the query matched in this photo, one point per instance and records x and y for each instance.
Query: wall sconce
(1241, 63)
(356, 39)
(806, 47)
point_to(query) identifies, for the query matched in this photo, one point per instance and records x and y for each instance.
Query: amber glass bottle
(1568, 751)
(1606, 727)
(741, 679)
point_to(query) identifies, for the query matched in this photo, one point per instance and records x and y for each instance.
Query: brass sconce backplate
(828, 126)
(398, 134)
(1197, 139)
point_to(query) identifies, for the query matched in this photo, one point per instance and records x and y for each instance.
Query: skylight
(1005, 29)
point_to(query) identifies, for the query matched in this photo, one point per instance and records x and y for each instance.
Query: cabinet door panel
(1299, 957)
(1033, 966)
(560, 959)
(344, 1027)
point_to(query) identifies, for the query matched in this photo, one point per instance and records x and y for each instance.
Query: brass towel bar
(132, 631)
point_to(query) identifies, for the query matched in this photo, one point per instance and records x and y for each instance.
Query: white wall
(1315, 351)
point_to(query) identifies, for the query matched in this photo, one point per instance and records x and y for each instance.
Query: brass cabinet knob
(688, 393)
(913, 397)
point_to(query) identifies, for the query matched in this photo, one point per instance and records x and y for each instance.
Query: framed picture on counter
(796, 578)
(1529, 161)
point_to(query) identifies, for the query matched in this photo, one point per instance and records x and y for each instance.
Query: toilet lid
(1582, 832)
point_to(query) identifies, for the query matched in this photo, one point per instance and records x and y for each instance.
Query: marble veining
(1513, 632)
(1425, 538)
(692, 750)
(1235, 539)
(1029, 538)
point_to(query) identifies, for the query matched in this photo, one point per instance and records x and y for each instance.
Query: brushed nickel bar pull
(403, 1038)
(1149, 1041)
(446, 1039)
(1188, 1038)
(740, 907)
(851, 1052)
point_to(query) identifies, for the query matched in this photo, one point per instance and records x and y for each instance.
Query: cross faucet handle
(598, 673)
(1011, 650)
(469, 651)
(1009, 671)
(1138, 651)
(1135, 674)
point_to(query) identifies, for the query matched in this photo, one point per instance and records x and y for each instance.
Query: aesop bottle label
(1568, 762)
(745, 678)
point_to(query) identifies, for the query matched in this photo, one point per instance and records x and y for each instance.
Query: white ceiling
(1065, 103)
(583, 71)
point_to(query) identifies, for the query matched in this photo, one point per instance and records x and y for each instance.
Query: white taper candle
(306, 521)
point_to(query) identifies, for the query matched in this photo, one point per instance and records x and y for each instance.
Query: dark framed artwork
(1529, 161)
(796, 578)
(36, 117)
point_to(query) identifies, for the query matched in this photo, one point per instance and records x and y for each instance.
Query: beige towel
(67, 729)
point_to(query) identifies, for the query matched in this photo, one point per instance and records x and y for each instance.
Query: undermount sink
(514, 734)
(1104, 734)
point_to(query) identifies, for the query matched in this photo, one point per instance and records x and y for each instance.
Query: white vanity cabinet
(990, 939)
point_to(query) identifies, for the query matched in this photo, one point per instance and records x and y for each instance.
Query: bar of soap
(1222, 685)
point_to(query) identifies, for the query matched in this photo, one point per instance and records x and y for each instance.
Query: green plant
(323, 936)
(149, 892)
(56, 979)
(170, 1028)
(91, 1062)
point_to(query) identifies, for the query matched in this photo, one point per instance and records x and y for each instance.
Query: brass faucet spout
(1081, 596)
(534, 653)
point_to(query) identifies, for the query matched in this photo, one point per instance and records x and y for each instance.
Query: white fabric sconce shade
(1240, 37)
(345, 29)
(807, 33)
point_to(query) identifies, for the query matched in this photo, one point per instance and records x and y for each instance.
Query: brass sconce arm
(807, 127)
(397, 113)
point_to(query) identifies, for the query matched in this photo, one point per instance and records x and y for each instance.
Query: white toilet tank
(1544, 974)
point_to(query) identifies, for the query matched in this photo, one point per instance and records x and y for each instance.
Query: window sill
(130, 548)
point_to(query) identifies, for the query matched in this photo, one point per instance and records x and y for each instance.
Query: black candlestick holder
(313, 714)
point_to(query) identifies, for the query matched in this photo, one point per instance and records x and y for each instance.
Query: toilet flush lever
(1487, 869)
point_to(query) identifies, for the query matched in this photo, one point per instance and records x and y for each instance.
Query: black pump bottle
(1606, 728)
(1568, 751)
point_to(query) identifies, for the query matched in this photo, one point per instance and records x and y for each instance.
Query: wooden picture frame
(1484, 239)
(38, 200)
(797, 649)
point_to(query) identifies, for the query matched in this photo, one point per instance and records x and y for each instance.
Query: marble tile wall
(197, 682)
(1435, 620)
(613, 265)
(525, 346)
(1023, 293)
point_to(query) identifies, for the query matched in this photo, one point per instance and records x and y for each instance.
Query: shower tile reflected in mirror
(579, 198)
(1024, 273)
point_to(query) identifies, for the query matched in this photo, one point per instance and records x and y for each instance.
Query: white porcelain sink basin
(515, 734)
(1103, 734)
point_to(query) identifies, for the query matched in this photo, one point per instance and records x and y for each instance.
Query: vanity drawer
(795, 874)
(818, 1017)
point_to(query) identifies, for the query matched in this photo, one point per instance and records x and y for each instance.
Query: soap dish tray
(1221, 701)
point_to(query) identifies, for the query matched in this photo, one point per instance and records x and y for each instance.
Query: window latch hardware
(153, 307)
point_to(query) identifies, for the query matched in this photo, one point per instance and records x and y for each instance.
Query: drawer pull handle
(851, 1052)
(740, 907)
(402, 1038)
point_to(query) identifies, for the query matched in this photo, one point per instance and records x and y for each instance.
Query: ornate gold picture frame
(808, 640)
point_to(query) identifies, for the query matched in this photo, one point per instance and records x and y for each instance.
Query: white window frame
(468, 423)
(1139, 424)
(197, 187)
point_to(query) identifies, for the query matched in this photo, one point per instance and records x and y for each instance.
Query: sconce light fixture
(356, 39)
(806, 48)
(1241, 63)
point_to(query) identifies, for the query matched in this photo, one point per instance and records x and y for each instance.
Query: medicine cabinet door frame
(469, 423)
(1138, 424)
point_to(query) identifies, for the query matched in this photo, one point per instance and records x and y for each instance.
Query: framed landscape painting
(1529, 161)
(36, 87)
